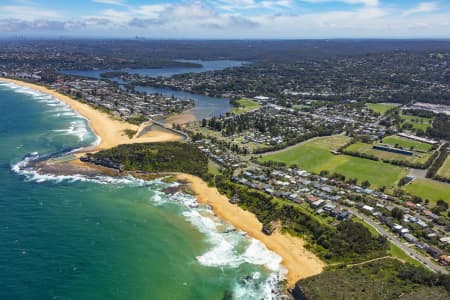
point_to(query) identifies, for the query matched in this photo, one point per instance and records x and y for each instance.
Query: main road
(413, 253)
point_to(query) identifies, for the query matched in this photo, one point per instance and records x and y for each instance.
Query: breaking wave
(229, 248)
(78, 125)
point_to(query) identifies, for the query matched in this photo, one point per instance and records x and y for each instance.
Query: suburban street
(412, 252)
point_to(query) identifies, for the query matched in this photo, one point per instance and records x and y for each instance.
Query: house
(317, 203)
(410, 238)
(329, 207)
(404, 231)
(343, 215)
(368, 208)
(310, 199)
(421, 223)
(444, 260)
(435, 252)
(410, 204)
(397, 228)
(261, 98)
(387, 220)
(445, 240)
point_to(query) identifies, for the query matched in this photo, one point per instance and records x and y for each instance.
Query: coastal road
(412, 252)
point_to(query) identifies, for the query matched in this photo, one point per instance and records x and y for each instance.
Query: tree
(398, 192)
(365, 184)
(324, 173)
(443, 204)
(397, 213)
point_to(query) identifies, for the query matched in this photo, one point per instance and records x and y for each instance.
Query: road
(412, 252)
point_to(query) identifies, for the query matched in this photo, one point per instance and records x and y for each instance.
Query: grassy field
(213, 168)
(360, 147)
(406, 144)
(380, 108)
(444, 171)
(429, 189)
(315, 156)
(417, 122)
(245, 105)
(396, 252)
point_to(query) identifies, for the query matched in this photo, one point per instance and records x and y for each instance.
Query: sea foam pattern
(230, 248)
(78, 125)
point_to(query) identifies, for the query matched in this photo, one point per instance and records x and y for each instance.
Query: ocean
(74, 237)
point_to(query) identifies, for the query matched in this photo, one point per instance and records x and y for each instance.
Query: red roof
(444, 259)
(312, 199)
(427, 213)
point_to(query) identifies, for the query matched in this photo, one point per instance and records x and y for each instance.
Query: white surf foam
(32, 175)
(78, 128)
(229, 248)
(232, 248)
(252, 288)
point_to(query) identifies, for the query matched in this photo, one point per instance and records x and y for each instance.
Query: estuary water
(207, 65)
(74, 237)
(205, 106)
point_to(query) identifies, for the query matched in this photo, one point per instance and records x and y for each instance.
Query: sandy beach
(299, 262)
(110, 130)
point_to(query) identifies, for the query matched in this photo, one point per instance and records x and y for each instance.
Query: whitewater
(228, 248)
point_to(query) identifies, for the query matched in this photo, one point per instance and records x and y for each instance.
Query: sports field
(245, 105)
(429, 189)
(380, 108)
(418, 157)
(315, 156)
(416, 122)
(406, 144)
(444, 171)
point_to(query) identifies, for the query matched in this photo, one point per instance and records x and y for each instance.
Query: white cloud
(363, 2)
(423, 7)
(237, 5)
(207, 19)
(111, 2)
(190, 11)
(27, 12)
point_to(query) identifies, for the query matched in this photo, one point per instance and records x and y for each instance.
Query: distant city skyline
(226, 19)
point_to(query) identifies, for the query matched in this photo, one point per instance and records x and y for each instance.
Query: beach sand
(110, 130)
(299, 262)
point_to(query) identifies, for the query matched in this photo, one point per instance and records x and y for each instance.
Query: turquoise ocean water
(72, 237)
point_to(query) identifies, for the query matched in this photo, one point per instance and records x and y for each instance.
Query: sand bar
(110, 130)
(299, 262)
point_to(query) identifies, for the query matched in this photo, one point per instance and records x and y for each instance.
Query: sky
(225, 19)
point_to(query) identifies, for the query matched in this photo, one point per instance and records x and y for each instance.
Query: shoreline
(299, 262)
(110, 131)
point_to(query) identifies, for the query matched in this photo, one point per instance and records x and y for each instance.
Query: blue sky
(226, 18)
